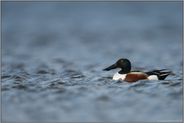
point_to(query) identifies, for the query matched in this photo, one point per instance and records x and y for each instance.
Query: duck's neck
(125, 70)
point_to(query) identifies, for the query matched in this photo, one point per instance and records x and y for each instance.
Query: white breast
(118, 76)
(153, 77)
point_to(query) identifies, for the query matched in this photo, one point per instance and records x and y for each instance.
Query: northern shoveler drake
(126, 74)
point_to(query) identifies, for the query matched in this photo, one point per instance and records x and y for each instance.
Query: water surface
(54, 52)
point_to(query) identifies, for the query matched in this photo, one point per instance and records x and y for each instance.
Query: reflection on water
(54, 53)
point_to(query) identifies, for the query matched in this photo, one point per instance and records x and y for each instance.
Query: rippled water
(54, 52)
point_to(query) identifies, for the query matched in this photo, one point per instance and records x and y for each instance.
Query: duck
(127, 75)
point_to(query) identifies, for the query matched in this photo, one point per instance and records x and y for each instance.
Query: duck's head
(122, 63)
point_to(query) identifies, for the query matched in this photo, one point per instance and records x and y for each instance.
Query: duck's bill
(110, 67)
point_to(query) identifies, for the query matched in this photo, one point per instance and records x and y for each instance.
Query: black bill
(110, 67)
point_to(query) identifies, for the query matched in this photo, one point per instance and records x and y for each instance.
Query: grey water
(53, 54)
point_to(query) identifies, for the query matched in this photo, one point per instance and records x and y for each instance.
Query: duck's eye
(120, 62)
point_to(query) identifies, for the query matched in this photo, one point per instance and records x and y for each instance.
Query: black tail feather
(162, 76)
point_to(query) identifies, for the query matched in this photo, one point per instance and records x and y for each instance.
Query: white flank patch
(118, 76)
(153, 77)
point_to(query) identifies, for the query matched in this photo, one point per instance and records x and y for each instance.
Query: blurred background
(53, 54)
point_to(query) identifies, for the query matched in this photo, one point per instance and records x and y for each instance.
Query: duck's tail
(161, 74)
